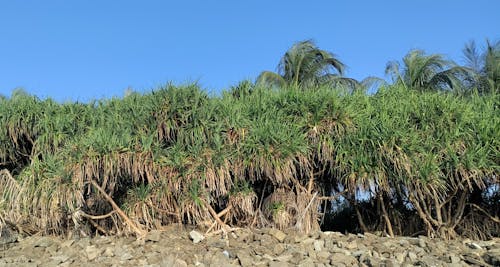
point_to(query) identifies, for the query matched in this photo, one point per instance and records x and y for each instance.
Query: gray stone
(351, 245)
(108, 252)
(400, 257)
(342, 258)
(306, 263)
(390, 263)
(196, 236)
(8, 234)
(298, 238)
(278, 249)
(219, 260)
(45, 242)
(492, 257)
(245, 258)
(412, 256)
(307, 241)
(454, 259)
(267, 241)
(92, 252)
(154, 236)
(323, 255)
(179, 263)
(318, 245)
(59, 259)
(428, 261)
(474, 245)
(278, 234)
(279, 264)
(284, 258)
(126, 256)
(421, 242)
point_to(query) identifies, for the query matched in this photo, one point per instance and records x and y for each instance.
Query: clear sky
(88, 49)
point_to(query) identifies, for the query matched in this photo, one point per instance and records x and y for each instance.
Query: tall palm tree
(486, 66)
(305, 65)
(427, 72)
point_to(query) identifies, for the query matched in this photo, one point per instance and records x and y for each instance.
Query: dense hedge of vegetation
(400, 161)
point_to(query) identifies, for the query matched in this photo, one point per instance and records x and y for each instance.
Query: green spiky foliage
(176, 154)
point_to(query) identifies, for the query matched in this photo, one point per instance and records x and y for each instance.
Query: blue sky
(87, 49)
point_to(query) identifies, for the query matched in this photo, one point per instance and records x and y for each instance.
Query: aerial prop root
(139, 232)
(217, 220)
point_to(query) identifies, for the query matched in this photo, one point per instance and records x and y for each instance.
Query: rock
(474, 245)
(454, 259)
(323, 255)
(492, 257)
(92, 252)
(342, 258)
(267, 241)
(428, 261)
(56, 260)
(421, 242)
(196, 236)
(126, 256)
(307, 263)
(400, 257)
(244, 258)
(412, 256)
(278, 249)
(474, 259)
(318, 245)
(284, 258)
(108, 252)
(45, 242)
(351, 245)
(8, 234)
(67, 243)
(153, 236)
(180, 263)
(298, 238)
(307, 241)
(279, 235)
(279, 264)
(219, 259)
(297, 257)
(172, 260)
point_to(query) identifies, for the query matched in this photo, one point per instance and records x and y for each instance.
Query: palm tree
(486, 66)
(427, 72)
(305, 65)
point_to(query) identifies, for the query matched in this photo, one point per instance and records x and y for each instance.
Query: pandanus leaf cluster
(280, 158)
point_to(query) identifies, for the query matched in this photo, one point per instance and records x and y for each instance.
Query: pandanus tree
(427, 72)
(486, 66)
(305, 65)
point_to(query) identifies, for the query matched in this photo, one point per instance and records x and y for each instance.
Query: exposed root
(139, 232)
(298, 224)
(493, 218)
(217, 217)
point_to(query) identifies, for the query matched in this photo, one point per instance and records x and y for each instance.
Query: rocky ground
(264, 247)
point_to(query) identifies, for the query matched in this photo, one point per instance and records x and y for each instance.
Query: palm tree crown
(486, 66)
(427, 72)
(303, 65)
